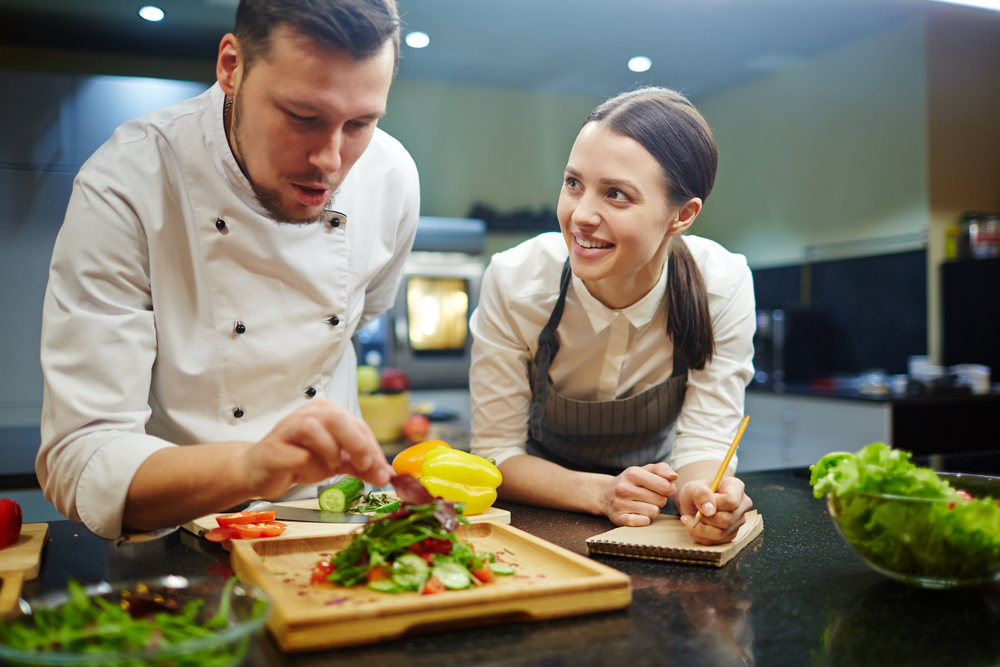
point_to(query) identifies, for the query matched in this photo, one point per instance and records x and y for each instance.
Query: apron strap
(548, 346)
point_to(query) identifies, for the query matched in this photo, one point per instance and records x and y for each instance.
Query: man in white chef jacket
(215, 260)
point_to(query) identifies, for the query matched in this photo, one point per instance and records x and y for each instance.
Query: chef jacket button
(220, 224)
(335, 222)
(310, 392)
(240, 328)
(334, 320)
(237, 413)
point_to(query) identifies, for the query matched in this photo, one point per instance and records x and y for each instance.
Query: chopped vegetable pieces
(414, 549)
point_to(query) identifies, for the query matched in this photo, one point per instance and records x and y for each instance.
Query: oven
(426, 333)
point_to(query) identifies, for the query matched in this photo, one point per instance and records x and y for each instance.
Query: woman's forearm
(535, 481)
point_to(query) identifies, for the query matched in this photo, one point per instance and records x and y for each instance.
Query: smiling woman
(576, 391)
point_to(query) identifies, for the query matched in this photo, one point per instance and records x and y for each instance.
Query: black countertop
(796, 596)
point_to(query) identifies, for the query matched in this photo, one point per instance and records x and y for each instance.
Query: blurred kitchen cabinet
(970, 298)
(788, 431)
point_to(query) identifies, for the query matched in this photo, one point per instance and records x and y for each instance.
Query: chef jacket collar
(638, 314)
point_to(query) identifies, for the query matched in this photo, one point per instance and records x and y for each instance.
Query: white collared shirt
(605, 354)
(163, 250)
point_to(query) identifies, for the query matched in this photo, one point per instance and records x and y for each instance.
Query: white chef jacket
(605, 354)
(162, 251)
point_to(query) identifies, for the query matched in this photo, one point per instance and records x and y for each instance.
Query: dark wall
(875, 309)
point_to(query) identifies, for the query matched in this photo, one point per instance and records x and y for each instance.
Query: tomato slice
(484, 574)
(272, 529)
(220, 535)
(321, 572)
(257, 516)
(432, 586)
(378, 573)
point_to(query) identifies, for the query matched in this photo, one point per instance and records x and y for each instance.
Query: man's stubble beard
(270, 200)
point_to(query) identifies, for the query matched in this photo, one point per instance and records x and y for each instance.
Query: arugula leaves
(141, 622)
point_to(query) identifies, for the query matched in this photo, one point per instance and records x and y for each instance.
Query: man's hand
(721, 512)
(317, 441)
(635, 497)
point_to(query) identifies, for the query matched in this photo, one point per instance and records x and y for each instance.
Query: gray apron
(599, 436)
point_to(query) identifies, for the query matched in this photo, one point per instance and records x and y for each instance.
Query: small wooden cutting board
(307, 529)
(20, 562)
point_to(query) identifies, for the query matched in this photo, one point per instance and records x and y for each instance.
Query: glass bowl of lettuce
(926, 528)
(170, 621)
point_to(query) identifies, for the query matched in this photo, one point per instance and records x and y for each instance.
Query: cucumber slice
(385, 586)
(410, 571)
(501, 568)
(452, 575)
(342, 495)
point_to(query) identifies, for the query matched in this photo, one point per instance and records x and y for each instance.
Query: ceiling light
(151, 13)
(417, 40)
(639, 63)
(984, 4)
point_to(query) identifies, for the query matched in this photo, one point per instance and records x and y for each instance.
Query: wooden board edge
(313, 637)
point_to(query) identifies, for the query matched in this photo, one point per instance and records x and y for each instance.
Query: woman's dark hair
(667, 125)
(360, 26)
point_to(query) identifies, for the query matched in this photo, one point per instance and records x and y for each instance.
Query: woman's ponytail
(689, 323)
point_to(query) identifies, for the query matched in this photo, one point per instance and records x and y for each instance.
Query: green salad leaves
(905, 519)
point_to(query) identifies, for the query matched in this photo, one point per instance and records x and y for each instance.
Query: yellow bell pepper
(461, 477)
(410, 459)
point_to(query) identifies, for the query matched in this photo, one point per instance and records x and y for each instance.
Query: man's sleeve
(380, 294)
(98, 346)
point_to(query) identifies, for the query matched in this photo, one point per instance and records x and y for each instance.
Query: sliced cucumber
(452, 575)
(410, 571)
(342, 495)
(501, 568)
(385, 586)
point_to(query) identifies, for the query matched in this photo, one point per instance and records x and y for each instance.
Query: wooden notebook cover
(667, 539)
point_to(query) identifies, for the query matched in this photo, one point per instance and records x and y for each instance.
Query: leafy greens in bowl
(171, 621)
(935, 530)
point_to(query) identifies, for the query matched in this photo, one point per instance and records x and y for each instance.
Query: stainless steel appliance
(426, 334)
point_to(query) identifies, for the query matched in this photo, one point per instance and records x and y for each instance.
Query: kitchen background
(852, 134)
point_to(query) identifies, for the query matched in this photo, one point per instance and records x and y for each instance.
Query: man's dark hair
(359, 26)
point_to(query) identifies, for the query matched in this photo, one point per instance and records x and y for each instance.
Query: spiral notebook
(666, 538)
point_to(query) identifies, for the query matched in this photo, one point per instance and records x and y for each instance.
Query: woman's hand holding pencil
(713, 509)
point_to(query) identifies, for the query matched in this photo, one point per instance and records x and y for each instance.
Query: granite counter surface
(796, 596)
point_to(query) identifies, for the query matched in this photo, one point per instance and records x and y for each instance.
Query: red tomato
(10, 522)
(221, 534)
(963, 494)
(428, 557)
(321, 572)
(226, 520)
(417, 548)
(432, 586)
(378, 574)
(484, 574)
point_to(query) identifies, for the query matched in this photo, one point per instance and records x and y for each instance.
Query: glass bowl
(249, 607)
(924, 541)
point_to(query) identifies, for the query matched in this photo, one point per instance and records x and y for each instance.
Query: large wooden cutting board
(20, 562)
(549, 582)
(305, 529)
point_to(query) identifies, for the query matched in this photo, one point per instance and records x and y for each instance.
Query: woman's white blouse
(605, 354)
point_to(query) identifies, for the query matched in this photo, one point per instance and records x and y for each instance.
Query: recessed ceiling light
(984, 4)
(417, 39)
(639, 63)
(151, 13)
